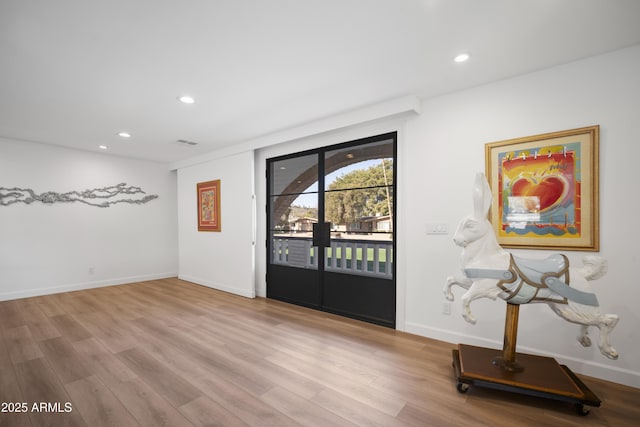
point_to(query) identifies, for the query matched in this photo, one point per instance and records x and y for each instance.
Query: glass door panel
(359, 205)
(293, 270)
(358, 202)
(294, 211)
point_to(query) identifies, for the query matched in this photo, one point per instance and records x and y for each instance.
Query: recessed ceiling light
(102, 147)
(185, 99)
(124, 135)
(462, 57)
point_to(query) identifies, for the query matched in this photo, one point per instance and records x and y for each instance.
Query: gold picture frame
(209, 206)
(546, 190)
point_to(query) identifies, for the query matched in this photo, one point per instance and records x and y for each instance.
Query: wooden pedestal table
(518, 372)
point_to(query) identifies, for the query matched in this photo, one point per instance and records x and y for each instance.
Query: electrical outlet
(446, 307)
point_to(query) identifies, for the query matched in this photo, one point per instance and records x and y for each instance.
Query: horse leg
(583, 338)
(590, 316)
(606, 325)
(479, 289)
(463, 282)
(467, 298)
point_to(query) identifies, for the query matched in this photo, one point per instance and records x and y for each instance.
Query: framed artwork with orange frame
(209, 206)
(546, 190)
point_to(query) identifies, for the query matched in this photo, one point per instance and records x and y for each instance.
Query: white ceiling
(77, 72)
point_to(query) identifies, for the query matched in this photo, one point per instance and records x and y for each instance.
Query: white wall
(221, 260)
(51, 248)
(445, 149)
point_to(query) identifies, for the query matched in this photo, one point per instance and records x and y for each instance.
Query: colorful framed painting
(545, 190)
(209, 206)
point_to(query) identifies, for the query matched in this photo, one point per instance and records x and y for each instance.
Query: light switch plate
(438, 228)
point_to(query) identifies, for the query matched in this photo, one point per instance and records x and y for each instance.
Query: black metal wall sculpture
(100, 197)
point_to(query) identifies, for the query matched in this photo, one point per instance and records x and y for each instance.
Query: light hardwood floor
(169, 352)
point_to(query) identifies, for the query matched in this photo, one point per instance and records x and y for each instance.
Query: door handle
(326, 234)
(317, 238)
(322, 234)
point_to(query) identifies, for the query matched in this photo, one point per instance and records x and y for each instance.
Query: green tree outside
(371, 197)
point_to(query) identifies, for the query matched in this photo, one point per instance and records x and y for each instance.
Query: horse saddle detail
(534, 269)
(526, 276)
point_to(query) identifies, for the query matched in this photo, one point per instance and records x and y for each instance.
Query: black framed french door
(331, 228)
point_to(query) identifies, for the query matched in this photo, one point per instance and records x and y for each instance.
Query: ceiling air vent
(185, 143)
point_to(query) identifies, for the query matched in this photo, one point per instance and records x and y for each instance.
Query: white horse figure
(491, 272)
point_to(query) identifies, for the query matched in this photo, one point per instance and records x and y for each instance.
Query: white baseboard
(28, 293)
(598, 370)
(219, 286)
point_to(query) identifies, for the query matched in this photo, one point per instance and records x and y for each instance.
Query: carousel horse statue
(492, 272)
